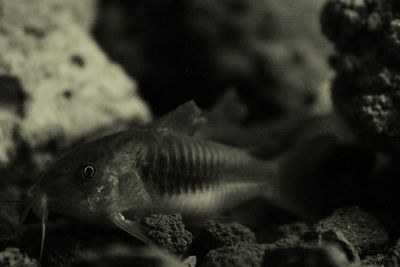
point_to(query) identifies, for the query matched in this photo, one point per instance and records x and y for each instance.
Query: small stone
(334, 237)
(375, 260)
(53, 85)
(306, 256)
(216, 234)
(12, 257)
(242, 254)
(292, 234)
(361, 229)
(168, 231)
(392, 257)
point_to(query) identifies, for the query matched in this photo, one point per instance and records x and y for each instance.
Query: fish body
(142, 171)
(197, 178)
(162, 167)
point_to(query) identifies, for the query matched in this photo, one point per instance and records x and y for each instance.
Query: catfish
(158, 168)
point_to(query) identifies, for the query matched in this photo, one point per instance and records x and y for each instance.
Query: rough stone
(216, 234)
(12, 257)
(238, 255)
(292, 234)
(168, 231)
(392, 257)
(306, 256)
(57, 85)
(334, 237)
(268, 50)
(36, 17)
(375, 260)
(361, 229)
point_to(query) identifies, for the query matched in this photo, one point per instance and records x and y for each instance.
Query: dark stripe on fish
(180, 164)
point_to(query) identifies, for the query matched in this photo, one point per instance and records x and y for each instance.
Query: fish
(162, 167)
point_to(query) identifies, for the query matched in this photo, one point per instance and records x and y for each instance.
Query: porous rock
(37, 17)
(306, 256)
(366, 85)
(361, 229)
(268, 50)
(292, 234)
(392, 257)
(8, 124)
(168, 231)
(374, 260)
(57, 85)
(334, 237)
(215, 234)
(238, 255)
(12, 257)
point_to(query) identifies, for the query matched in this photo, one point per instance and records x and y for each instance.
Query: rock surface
(238, 255)
(57, 85)
(306, 256)
(392, 257)
(12, 257)
(336, 237)
(361, 229)
(38, 17)
(215, 234)
(168, 231)
(365, 90)
(268, 50)
(292, 234)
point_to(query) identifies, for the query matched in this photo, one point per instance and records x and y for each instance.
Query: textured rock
(37, 17)
(238, 255)
(375, 260)
(292, 234)
(334, 237)
(392, 257)
(366, 88)
(57, 85)
(216, 234)
(168, 231)
(300, 246)
(12, 257)
(268, 50)
(84, 12)
(8, 124)
(361, 229)
(306, 256)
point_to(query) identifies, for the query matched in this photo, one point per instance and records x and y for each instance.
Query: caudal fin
(320, 175)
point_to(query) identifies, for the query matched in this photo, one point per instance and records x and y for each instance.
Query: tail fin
(320, 175)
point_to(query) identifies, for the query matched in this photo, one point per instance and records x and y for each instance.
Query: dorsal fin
(186, 119)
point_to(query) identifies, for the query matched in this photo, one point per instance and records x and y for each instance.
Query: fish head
(79, 184)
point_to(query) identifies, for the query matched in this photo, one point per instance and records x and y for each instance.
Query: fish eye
(88, 171)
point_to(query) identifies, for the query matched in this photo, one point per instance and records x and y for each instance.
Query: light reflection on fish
(157, 168)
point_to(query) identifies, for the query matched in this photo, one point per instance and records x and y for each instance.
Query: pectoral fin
(185, 119)
(131, 228)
